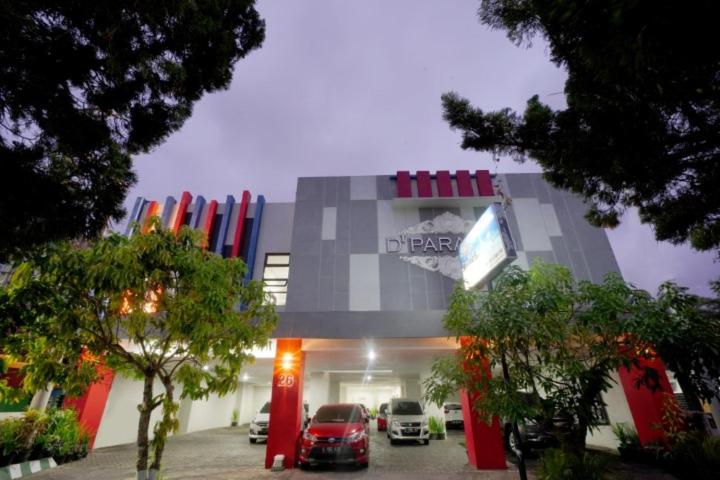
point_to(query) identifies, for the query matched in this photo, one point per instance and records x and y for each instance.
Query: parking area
(224, 454)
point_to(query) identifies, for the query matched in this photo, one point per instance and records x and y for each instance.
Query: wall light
(245, 377)
(287, 359)
(371, 355)
(369, 377)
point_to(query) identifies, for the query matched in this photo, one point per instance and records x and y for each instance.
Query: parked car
(337, 434)
(382, 417)
(407, 421)
(538, 432)
(366, 412)
(453, 415)
(259, 424)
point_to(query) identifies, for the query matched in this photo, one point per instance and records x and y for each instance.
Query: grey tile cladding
(553, 228)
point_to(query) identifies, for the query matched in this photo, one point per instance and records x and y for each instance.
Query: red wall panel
(402, 182)
(423, 184)
(444, 184)
(464, 183)
(484, 183)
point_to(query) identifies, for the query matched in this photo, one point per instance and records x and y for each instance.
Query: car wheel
(364, 465)
(426, 441)
(253, 440)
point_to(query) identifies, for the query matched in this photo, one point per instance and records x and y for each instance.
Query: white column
(41, 398)
(319, 391)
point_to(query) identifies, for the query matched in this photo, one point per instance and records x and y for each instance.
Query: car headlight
(356, 436)
(424, 423)
(309, 437)
(395, 424)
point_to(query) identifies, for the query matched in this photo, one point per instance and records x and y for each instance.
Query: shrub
(696, 455)
(35, 435)
(558, 465)
(436, 426)
(627, 436)
(64, 439)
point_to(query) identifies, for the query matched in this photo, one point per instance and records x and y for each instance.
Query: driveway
(225, 454)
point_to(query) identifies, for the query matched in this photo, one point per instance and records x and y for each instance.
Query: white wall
(246, 403)
(261, 395)
(119, 422)
(618, 412)
(369, 395)
(211, 413)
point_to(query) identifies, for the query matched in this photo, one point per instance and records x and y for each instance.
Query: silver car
(406, 420)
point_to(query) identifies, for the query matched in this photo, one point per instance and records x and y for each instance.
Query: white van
(406, 420)
(259, 425)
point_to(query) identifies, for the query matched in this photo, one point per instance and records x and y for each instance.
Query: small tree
(155, 307)
(685, 332)
(561, 343)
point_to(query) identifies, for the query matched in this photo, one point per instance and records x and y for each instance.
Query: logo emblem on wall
(433, 244)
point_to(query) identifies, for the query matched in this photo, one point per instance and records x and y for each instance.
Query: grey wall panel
(363, 188)
(342, 228)
(275, 233)
(337, 324)
(325, 295)
(561, 252)
(330, 191)
(307, 228)
(419, 293)
(342, 274)
(310, 189)
(545, 256)
(542, 189)
(531, 224)
(343, 189)
(363, 226)
(386, 188)
(327, 258)
(303, 283)
(520, 184)
(341, 301)
(394, 283)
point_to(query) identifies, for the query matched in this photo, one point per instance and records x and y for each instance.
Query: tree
(561, 343)
(684, 330)
(642, 123)
(154, 307)
(84, 85)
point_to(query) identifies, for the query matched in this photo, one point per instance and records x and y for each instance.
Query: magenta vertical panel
(485, 187)
(403, 184)
(423, 184)
(185, 201)
(464, 183)
(244, 202)
(444, 184)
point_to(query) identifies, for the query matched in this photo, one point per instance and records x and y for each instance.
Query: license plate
(330, 450)
(412, 430)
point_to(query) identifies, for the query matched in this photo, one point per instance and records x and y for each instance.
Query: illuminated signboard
(487, 249)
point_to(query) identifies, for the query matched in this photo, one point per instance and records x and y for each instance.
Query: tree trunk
(573, 442)
(166, 426)
(145, 408)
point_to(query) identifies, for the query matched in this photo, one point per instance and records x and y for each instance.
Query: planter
(233, 424)
(26, 468)
(437, 436)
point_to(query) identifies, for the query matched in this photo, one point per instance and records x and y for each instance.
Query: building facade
(361, 269)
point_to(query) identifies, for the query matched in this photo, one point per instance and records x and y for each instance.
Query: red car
(382, 417)
(337, 434)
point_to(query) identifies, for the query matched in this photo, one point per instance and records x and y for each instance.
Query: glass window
(338, 414)
(275, 276)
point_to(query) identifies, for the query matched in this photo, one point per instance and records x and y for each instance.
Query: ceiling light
(371, 355)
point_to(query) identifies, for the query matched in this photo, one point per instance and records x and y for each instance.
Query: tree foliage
(156, 307)
(84, 85)
(562, 342)
(642, 123)
(684, 330)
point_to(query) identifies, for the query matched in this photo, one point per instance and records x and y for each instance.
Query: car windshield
(265, 408)
(453, 407)
(407, 408)
(383, 407)
(338, 414)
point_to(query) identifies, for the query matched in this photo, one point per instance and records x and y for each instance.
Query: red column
(646, 406)
(484, 442)
(286, 402)
(91, 405)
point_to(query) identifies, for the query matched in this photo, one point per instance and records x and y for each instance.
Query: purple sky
(353, 88)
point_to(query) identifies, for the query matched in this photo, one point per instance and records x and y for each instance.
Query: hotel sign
(433, 244)
(487, 249)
